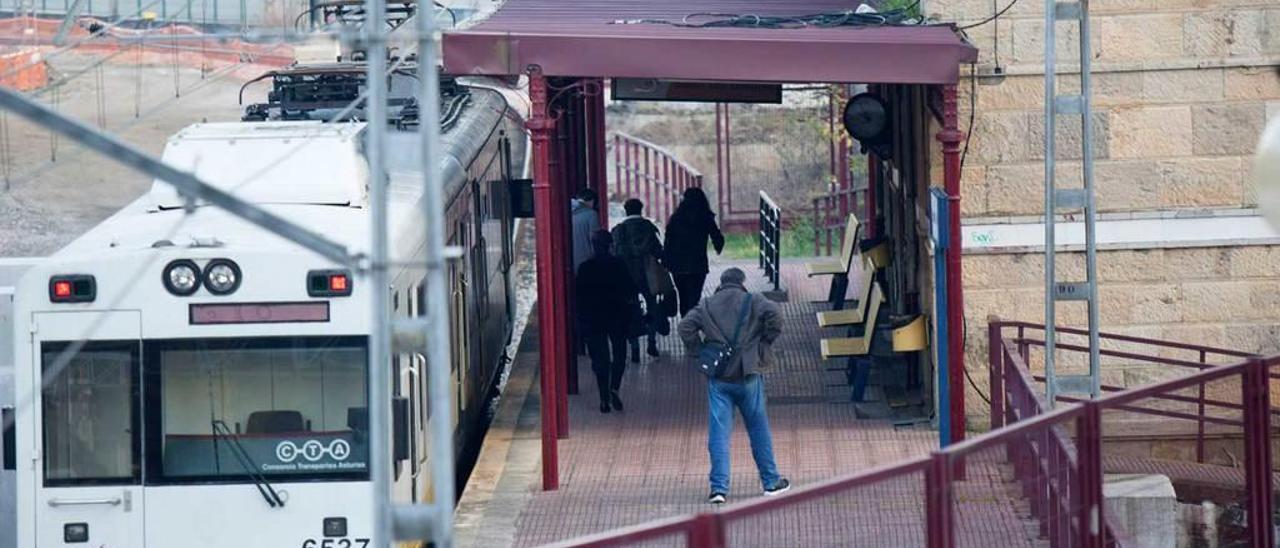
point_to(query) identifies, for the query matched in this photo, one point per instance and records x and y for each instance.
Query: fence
(1036, 477)
(651, 173)
(208, 12)
(769, 239)
(830, 211)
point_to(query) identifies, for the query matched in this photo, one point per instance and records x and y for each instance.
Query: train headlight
(182, 277)
(221, 276)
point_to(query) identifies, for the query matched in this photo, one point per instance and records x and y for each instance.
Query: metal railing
(769, 239)
(1053, 456)
(830, 211)
(650, 173)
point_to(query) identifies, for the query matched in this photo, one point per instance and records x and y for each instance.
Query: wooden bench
(839, 268)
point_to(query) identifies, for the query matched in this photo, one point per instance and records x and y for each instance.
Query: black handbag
(713, 356)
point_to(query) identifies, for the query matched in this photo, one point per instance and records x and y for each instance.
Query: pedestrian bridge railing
(1037, 476)
(650, 173)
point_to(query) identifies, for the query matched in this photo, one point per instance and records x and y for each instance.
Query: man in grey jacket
(740, 386)
(585, 223)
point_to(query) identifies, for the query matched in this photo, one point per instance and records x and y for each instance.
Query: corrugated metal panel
(580, 38)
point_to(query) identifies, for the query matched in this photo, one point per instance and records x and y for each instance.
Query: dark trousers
(690, 288)
(608, 350)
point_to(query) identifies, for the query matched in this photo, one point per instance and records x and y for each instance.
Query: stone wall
(1225, 297)
(1181, 90)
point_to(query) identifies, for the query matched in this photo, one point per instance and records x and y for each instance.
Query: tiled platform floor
(650, 461)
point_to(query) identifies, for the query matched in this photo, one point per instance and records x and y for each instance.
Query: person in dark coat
(606, 305)
(635, 240)
(688, 230)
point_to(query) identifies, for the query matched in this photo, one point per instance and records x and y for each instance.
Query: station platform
(650, 461)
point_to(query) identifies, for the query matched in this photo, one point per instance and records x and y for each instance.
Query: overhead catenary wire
(834, 19)
(994, 17)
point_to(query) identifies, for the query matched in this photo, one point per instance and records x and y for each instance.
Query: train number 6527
(336, 543)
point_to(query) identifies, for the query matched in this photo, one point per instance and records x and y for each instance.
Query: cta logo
(313, 450)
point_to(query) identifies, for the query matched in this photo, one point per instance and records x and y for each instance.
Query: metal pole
(379, 337)
(438, 351)
(1050, 332)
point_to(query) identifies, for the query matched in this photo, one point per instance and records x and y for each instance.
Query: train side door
(88, 472)
(461, 331)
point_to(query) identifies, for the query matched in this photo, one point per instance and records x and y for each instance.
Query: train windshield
(280, 407)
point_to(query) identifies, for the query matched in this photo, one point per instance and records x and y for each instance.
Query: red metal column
(720, 176)
(842, 167)
(668, 190)
(563, 253)
(617, 166)
(596, 143)
(950, 136)
(939, 525)
(707, 532)
(648, 178)
(1257, 454)
(569, 149)
(1090, 504)
(630, 178)
(995, 366)
(541, 127)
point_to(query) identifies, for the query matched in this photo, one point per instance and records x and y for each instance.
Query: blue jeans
(748, 397)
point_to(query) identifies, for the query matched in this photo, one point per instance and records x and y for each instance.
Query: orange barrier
(23, 70)
(28, 31)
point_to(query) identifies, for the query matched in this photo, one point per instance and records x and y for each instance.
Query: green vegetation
(797, 241)
(912, 7)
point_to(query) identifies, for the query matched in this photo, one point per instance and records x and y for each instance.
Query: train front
(197, 381)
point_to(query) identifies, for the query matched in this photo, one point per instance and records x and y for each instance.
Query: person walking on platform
(606, 305)
(734, 319)
(585, 222)
(635, 240)
(690, 227)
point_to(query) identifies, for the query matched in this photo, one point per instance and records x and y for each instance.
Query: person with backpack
(732, 333)
(606, 303)
(688, 231)
(635, 241)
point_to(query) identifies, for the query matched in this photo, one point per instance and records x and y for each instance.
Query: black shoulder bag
(714, 357)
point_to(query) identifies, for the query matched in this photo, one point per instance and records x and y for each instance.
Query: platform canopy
(599, 38)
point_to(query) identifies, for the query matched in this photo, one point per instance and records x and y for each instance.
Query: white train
(198, 381)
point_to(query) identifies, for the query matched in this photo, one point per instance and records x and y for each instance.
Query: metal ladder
(1059, 200)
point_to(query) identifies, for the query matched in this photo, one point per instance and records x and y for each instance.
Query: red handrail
(1061, 476)
(651, 173)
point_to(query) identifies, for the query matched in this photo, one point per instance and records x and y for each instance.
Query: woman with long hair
(685, 244)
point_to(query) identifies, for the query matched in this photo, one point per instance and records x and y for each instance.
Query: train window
(422, 297)
(91, 414)
(296, 406)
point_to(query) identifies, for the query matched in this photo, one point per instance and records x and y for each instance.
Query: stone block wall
(1226, 297)
(1181, 91)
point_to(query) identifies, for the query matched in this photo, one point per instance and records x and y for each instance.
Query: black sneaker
(604, 407)
(716, 498)
(653, 349)
(779, 488)
(617, 402)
